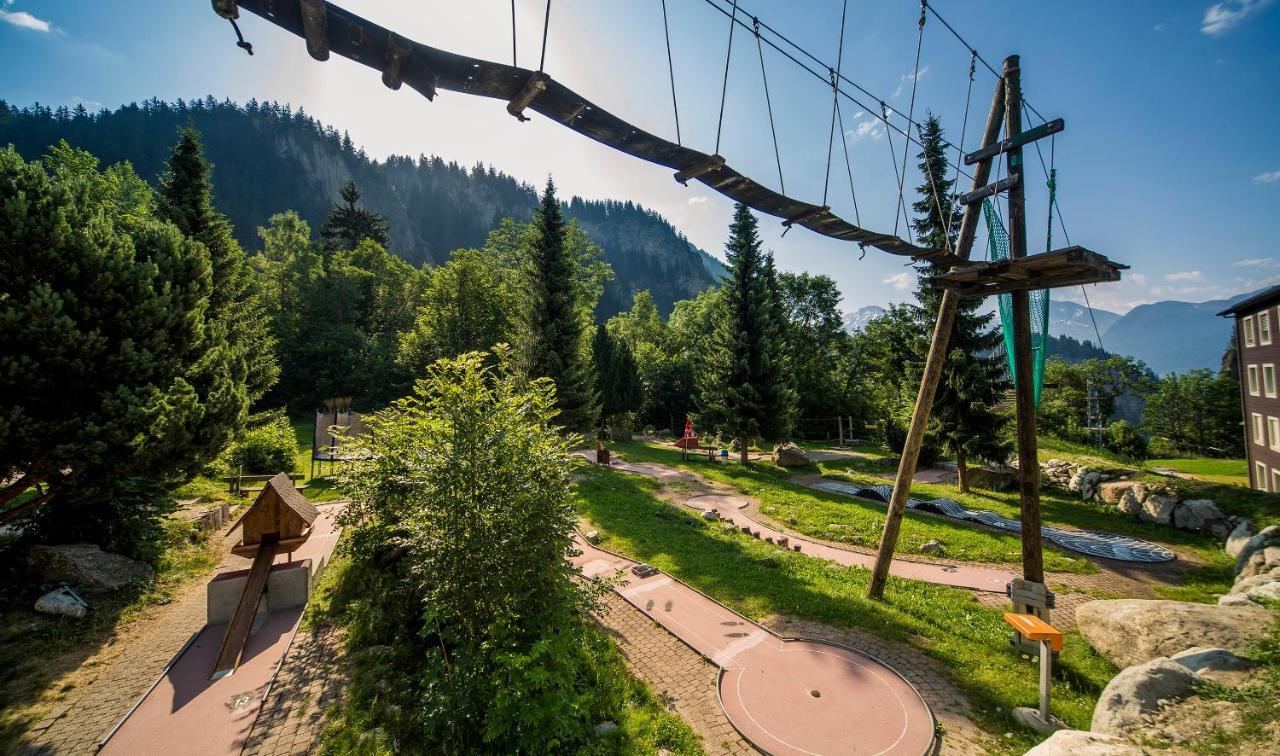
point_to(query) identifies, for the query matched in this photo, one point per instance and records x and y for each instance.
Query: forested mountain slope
(268, 158)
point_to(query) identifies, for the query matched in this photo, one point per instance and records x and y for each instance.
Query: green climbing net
(998, 243)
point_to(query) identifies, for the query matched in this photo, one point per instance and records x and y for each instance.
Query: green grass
(36, 649)
(1228, 471)
(759, 580)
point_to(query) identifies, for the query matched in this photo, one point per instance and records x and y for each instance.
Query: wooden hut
(280, 515)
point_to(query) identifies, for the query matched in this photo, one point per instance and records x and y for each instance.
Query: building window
(1273, 432)
(1260, 476)
(1248, 332)
(1254, 389)
(1269, 380)
(1259, 432)
(1275, 480)
(1264, 327)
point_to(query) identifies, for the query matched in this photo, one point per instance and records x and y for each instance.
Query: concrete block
(288, 585)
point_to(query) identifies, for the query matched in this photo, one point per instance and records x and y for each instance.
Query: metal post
(1028, 462)
(1046, 669)
(933, 365)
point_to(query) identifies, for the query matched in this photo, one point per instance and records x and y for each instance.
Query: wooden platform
(1062, 267)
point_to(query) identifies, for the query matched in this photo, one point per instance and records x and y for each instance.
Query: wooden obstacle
(279, 520)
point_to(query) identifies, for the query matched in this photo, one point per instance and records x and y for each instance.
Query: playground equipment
(1033, 628)
(328, 445)
(279, 521)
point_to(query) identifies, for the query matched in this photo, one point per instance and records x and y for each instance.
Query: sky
(1168, 162)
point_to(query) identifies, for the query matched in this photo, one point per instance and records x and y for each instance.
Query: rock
(1197, 515)
(710, 514)
(87, 566)
(728, 527)
(1137, 692)
(932, 547)
(1130, 504)
(1235, 599)
(993, 478)
(1077, 480)
(1201, 659)
(1112, 492)
(1134, 631)
(606, 728)
(1257, 594)
(618, 433)
(1261, 563)
(63, 602)
(1158, 508)
(1243, 584)
(1265, 537)
(789, 455)
(783, 541)
(1081, 743)
(1238, 537)
(593, 536)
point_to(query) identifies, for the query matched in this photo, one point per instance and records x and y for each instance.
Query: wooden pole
(933, 363)
(1028, 461)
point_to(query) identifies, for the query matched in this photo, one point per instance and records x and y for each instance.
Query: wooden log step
(1071, 266)
(1008, 182)
(1018, 140)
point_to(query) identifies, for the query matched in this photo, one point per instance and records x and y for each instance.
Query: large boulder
(1134, 631)
(87, 566)
(1112, 492)
(1137, 692)
(1200, 515)
(1244, 583)
(1268, 536)
(62, 602)
(1261, 562)
(993, 478)
(1081, 743)
(1216, 664)
(1257, 594)
(1158, 508)
(1130, 504)
(789, 455)
(1238, 537)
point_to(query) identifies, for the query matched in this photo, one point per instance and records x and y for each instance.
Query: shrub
(265, 448)
(1124, 439)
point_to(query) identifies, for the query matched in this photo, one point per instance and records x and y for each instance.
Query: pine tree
(617, 381)
(347, 226)
(973, 377)
(744, 390)
(555, 346)
(777, 377)
(242, 363)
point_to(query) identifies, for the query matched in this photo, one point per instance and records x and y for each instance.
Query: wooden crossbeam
(702, 167)
(1071, 266)
(315, 27)
(535, 85)
(1019, 140)
(1008, 182)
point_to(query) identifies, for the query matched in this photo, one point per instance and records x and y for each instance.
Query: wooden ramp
(241, 623)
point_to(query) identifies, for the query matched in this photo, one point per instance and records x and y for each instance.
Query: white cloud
(865, 130)
(1224, 16)
(697, 200)
(911, 77)
(1256, 262)
(1159, 27)
(1270, 177)
(899, 281)
(24, 20)
(1186, 275)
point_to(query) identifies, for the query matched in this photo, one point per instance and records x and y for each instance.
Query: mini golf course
(784, 696)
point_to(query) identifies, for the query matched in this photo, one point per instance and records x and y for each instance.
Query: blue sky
(1168, 163)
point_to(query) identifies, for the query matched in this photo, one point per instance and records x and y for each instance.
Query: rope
(240, 43)
(546, 24)
(514, 64)
(964, 125)
(835, 100)
(900, 211)
(777, 154)
(911, 109)
(671, 69)
(724, 87)
(848, 166)
(937, 201)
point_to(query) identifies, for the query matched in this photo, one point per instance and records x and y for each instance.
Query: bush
(265, 448)
(1123, 439)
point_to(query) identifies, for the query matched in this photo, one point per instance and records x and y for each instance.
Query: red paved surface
(785, 696)
(186, 712)
(731, 509)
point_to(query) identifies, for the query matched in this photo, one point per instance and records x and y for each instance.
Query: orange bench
(1033, 628)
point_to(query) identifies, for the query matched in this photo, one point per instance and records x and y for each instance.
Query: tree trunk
(9, 515)
(962, 471)
(742, 450)
(17, 488)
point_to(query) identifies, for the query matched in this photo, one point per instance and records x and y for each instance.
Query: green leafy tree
(965, 414)
(557, 318)
(744, 386)
(467, 305)
(819, 346)
(1114, 383)
(1197, 412)
(347, 225)
(104, 338)
(481, 618)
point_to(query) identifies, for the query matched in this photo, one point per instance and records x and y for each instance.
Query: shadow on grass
(759, 580)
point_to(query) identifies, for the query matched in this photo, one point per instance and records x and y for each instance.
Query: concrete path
(785, 696)
(733, 509)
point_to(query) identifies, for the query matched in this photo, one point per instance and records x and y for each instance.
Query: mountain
(1071, 319)
(857, 320)
(269, 158)
(1173, 337)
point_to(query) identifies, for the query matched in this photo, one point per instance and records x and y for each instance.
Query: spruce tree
(777, 376)
(973, 377)
(617, 380)
(242, 364)
(744, 389)
(347, 225)
(555, 345)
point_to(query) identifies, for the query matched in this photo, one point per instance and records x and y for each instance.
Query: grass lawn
(319, 488)
(1229, 471)
(759, 580)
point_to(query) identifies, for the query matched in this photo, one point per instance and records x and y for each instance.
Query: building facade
(1257, 323)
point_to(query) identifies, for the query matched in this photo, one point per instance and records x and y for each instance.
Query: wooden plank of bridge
(933, 364)
(241, 623)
